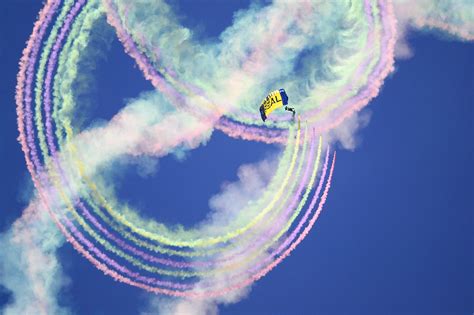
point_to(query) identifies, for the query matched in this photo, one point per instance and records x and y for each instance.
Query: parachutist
(291, 109)
(274, 100)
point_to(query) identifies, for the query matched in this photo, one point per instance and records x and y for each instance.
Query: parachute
(274, 100)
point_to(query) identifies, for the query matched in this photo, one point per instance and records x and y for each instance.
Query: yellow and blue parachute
(274, 100)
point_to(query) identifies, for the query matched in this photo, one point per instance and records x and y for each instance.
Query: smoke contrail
(120, 243)
(331, 56)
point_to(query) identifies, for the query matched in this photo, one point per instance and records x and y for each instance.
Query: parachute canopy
(274, 100)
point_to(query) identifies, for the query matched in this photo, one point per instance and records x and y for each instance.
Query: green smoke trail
(40, 76)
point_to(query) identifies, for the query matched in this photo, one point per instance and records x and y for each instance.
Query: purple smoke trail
(28, 61)
(50, 69)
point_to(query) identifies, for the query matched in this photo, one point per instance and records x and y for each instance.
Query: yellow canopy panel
(274, 100)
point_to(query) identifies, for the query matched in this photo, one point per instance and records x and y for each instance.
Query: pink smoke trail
(25, 77)
(301, 237)
(120, 268)
(123, 269)
(303, 220)
(178, 264)
(228, 126)
(130, 48)
(360, 69)
(78, 246)
(383, 68)
(377, 77)
(169, 262)
(47, 104)
(257, 56)
(296, 231)
(27, 66)
(448, 28)
(148, 70)
(112, 263)
(252, 133)
(289, 208)
(51, 65)
(103, 267)
(262, 273)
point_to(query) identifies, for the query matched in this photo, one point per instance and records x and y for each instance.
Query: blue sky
(396, 234)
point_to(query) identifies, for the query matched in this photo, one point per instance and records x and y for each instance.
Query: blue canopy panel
(284, 96)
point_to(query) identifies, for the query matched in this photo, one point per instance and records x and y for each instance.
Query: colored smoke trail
(452, 17)
(29, 267)
(331, 57)
(351, 104)
(87, 245)
(449, 17)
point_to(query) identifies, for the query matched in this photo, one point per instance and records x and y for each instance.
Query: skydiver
(274, 100)
(291, 109)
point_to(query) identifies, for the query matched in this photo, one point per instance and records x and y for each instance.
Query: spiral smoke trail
(331, 56)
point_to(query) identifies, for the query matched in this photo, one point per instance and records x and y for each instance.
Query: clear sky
(396, 235)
